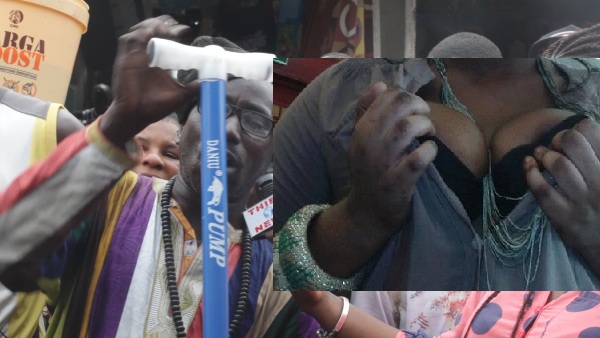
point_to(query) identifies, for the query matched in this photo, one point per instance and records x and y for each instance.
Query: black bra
(507, 174)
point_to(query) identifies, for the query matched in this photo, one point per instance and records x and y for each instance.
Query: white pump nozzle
(212, 62)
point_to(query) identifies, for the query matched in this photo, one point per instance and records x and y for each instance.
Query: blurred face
(159, 150)
(248, 155)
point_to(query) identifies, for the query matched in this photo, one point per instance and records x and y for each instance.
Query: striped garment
(113, 285)
(574, 314)
(27, 135)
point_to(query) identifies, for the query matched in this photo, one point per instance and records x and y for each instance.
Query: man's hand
(573, 204)
(383, 175)
(384, 169)
(21, 276)
(143, 95)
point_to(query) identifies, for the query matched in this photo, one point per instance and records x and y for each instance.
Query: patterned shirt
(113, 284)
(433, 312)
(494, 315)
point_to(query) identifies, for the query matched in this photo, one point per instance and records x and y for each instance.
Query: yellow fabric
(51, 127)
(25, 317)
(59, 317)
(98, 139)
(50, 287)
(117, 198)
(44, 135)
(188, 234)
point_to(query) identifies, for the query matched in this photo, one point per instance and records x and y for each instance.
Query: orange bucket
(38, 45)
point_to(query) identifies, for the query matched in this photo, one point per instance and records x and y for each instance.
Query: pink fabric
(573, 314)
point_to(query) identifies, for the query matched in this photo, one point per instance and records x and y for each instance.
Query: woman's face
(159, 151)
(248, 156)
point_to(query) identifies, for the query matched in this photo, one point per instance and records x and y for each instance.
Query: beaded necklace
(242, 302)
(510, 243)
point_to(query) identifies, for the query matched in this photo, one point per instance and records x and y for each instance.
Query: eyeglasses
(252, 122)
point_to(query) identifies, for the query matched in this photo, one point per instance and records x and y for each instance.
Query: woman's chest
(489, 122)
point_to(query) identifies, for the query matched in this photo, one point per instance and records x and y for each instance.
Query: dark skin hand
(143, 95)
(383, 174)
(141, 102)
(572, 205)
(386, 181)
(326, 309)
(375, 207)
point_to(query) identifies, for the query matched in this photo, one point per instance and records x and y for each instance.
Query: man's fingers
(395, 103)
(410, 167)
(152, 22)
(403, 131)
(368, 97)
(591, 131)
(162, 27)
(176, 31)
(579, 151)
(552, 202)
(568, 178)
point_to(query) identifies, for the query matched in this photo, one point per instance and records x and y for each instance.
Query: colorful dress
(432, 312)
(114, 284)
(574, 314)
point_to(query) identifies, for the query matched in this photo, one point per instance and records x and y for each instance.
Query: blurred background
(312, 28)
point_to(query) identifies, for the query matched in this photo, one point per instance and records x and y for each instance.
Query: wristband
(322, 333)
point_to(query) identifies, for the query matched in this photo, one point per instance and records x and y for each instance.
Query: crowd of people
(101, 224)
(435, 175)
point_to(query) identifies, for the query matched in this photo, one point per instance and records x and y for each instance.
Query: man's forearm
(342, 241)
(55, 193)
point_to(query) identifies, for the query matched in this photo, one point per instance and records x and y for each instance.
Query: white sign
(259, 218)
